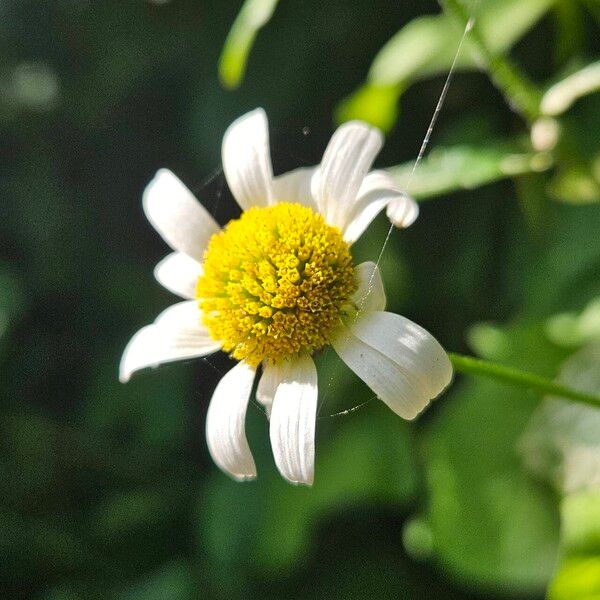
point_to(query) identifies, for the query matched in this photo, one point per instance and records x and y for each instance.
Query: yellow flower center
(275, 282)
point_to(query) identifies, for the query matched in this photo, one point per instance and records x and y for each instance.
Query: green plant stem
(520, 93)
(476, 366)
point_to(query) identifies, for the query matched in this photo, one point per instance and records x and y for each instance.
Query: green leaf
(578, 575)
(467, 167)
(562, 445)
(254, 15)
(575, 184)
(377, 104)
(580, 513)
(562, 442)
(572, 329)
(426, 47)
(577, 579)
(491, 525)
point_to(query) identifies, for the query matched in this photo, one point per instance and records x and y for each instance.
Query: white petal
(293, 420)
(176, 214)
(179, 274)
(177, 334)
(406, 394)
(347, 159)
(378, 190)
(403, 211)
(370, 294)
(247, 160)
(295, 186)
(225, 423)
(408, 345)
(267, 385)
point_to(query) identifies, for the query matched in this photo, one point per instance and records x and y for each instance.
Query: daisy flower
(278, 284)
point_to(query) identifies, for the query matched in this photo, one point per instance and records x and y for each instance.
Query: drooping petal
(396, 385)
(295, 186)
(409, 346)
(176, 214)
(225, 423)
(377, 191)
(267, 385)
(347, 159)
(293, 420)
(403, 211)
(247, 160)
(178, 273)
(177, 334)
(370, 294)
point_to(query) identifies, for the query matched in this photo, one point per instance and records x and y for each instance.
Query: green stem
(515, 377)
(519, 91)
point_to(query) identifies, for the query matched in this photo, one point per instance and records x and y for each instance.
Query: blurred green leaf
(562, 445)
(426, 46)
(578, 575)
(376, 104)
(572, 329)
(467, 167)
(578, 579)
(575, 184)
(580, 513)
(492, 526)
(562, 441)
(253, 15)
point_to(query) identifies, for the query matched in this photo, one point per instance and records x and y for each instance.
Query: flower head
(279, 283)
(275, 282)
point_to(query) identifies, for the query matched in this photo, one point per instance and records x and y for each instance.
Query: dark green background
(107, 491)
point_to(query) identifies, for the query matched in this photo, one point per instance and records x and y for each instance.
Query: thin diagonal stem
(523, 379)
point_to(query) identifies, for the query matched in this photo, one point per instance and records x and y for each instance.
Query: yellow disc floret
(274, 283)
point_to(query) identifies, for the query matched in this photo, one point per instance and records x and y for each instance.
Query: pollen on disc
(275, 282)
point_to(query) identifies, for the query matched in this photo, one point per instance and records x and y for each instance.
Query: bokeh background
(107, 490)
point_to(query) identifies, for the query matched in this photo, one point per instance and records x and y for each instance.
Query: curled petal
(377, 191)
(403, 211)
